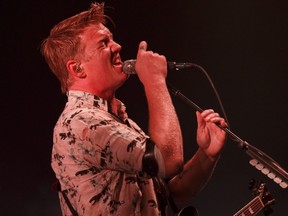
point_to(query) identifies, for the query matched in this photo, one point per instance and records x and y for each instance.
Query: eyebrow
(104, 35)
(106, 31)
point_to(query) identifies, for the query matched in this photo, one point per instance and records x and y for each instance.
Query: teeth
(117, 62)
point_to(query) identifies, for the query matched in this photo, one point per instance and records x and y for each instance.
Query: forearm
(196, 173)
(164, 128)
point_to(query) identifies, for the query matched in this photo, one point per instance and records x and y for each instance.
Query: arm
(198, 170)
(164, 128)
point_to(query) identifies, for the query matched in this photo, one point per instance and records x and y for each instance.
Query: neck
(252, 208)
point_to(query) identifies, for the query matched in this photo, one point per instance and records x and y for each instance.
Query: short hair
(64, 42)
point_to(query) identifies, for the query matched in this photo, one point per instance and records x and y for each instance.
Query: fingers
(210, 116)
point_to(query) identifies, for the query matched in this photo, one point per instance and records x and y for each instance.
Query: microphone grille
(129, 66)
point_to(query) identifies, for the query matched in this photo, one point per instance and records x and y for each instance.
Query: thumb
(142, 46)
(200, 120)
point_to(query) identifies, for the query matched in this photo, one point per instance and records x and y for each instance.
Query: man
(105, 163)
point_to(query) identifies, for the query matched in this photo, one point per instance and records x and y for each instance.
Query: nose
(115, 47)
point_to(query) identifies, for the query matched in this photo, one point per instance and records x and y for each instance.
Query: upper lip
(116, 60)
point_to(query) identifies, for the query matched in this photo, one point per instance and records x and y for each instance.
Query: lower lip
(118, 66)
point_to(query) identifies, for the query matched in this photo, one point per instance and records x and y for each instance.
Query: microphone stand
(260, 160)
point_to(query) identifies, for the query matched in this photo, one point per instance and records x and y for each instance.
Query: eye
(104, 42)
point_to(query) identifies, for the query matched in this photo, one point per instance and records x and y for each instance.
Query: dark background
(241, 44)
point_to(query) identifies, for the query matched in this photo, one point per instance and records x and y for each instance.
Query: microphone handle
(129, 66)
(179, 66)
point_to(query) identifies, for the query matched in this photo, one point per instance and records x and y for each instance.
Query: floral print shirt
(97, 158)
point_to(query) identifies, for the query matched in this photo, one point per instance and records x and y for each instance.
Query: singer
(105, 163)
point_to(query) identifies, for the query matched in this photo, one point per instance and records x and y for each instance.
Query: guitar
(262, 201)
(188, 211)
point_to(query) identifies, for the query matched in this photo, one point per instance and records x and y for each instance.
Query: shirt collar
(88, 98)
(96, 101)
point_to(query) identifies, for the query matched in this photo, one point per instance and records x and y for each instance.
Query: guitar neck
(252, 208)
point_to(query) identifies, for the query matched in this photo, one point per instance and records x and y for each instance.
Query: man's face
(102, 62)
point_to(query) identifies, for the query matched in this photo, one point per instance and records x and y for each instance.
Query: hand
(151, 67)
(210, 137)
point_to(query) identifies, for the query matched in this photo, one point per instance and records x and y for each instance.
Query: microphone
(129, 66)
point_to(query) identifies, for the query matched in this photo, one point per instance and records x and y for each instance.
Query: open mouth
(116, 61)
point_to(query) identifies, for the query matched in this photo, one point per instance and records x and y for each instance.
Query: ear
(75, 69)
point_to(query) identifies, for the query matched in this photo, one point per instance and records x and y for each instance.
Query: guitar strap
(57, 187)
(188, 210)
(151, 167)
(173, 205)
(164, 196)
